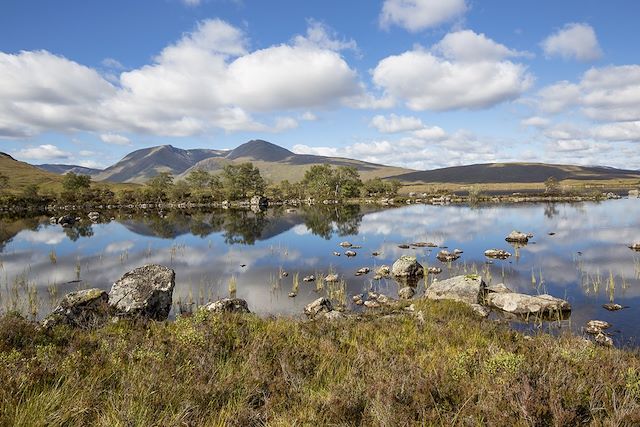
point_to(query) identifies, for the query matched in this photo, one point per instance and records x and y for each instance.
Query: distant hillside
(22, 174)
(516, 173)
(64, 169)
(141, 165)
(277, 163)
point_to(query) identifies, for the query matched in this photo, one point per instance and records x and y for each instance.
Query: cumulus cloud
(573, 41)
(626, 131)
(460, 80)
(394, 123)
(417, 15)
(207, 79)
(607, 94)
(536, 121)
(428, 148)
(114, 138)
(43, 153)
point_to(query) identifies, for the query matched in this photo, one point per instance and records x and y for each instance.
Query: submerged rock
(84, 309)
(321, 305)
(596, 326)
(345, 244)
(635, 247)
(350, 253)
(446, 256)
(434, 270)
(518, 237)
(612, 306)
(407, 267)
(146, 291)
(331, 278)
(362, 271)
(467, 289)
(309, 278)
(525, 305)
(497, 253)
(228, 305)
(404, 246)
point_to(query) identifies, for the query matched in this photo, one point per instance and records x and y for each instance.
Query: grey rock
(345, 244)
(407, 266)
(612, 306)
(84, 309)
(517, 237)
(350, 253)
(362, 271)
(595, 327)
(407, 292)
(480, 310)
(497, 253)
(604, 340)
(321, 305)
(228, 305)
(467, 289)
(522, 304)
(446, 256)
(333, 315)
(146, 291)
(331, 278)
(499, 288)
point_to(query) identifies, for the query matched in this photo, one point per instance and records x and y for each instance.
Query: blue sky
(416, 83)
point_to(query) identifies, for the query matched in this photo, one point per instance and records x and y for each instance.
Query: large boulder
(467, 289)
(528, 305)
(408, 267)
(227, 305)
(146, 291)
(321, 305)
(84, 309)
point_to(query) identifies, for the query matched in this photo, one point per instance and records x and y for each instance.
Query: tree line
(234, 182)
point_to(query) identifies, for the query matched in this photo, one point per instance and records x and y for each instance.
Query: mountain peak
(258, 149)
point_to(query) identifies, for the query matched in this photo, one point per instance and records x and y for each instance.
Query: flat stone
(228, 305)
(522, 304)
(467, 289)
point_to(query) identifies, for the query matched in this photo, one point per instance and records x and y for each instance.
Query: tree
(551, 185)
(199, 179)
(318, 182)
(376, 187)
(159, 186)
(76, 182)
(242, 181)
(348, 183)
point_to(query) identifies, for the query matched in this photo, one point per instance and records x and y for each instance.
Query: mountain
(277, 163)
(516, 173)
(22, 174)
(141, 165)
(64, 169)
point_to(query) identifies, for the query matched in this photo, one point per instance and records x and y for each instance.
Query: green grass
(450, 369)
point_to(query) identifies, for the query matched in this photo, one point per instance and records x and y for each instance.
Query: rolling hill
(64, 169)
(141, 165)
(22, 174)
(516, 173)
(277, 163)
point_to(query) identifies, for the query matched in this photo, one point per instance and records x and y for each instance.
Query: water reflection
(585, 260)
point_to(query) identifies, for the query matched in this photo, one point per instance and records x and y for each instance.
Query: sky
(421, 84)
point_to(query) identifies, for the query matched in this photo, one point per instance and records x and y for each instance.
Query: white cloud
(41, 92)
(469, 46)
(626, 131)
(394, 123)
(417, 15)
(285, 123)
(558, 97)
(117, 247)
(90, 164)
(192, 2)
(206, 80)
(114, 138)
(436, 149)
(536, 121)
(320, 36)
(47, 236)
(425, 81)
(112, 63)
(308, 116)
(43, 153)
(574, 40)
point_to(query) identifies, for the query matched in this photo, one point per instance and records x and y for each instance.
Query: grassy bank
(448, 369)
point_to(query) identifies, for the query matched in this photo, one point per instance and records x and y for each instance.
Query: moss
(240, 369)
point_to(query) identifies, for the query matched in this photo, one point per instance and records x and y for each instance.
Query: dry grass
(451, 369)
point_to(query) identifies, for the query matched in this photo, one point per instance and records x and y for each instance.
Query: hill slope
(64, 169)
(22, 174)
(516, 173)
(277, 163)
(141, 165)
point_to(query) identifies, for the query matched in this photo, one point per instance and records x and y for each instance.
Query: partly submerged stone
(146, 291)
(228, 305)
(321, 305)
(84, 309)
(596, 326)
(467, 289)
(407, 266)
(497, 253)
(517, 237)
(526, 305)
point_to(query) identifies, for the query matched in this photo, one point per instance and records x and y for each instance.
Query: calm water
(586, 261)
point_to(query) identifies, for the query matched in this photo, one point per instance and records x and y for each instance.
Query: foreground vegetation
(443, 367)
